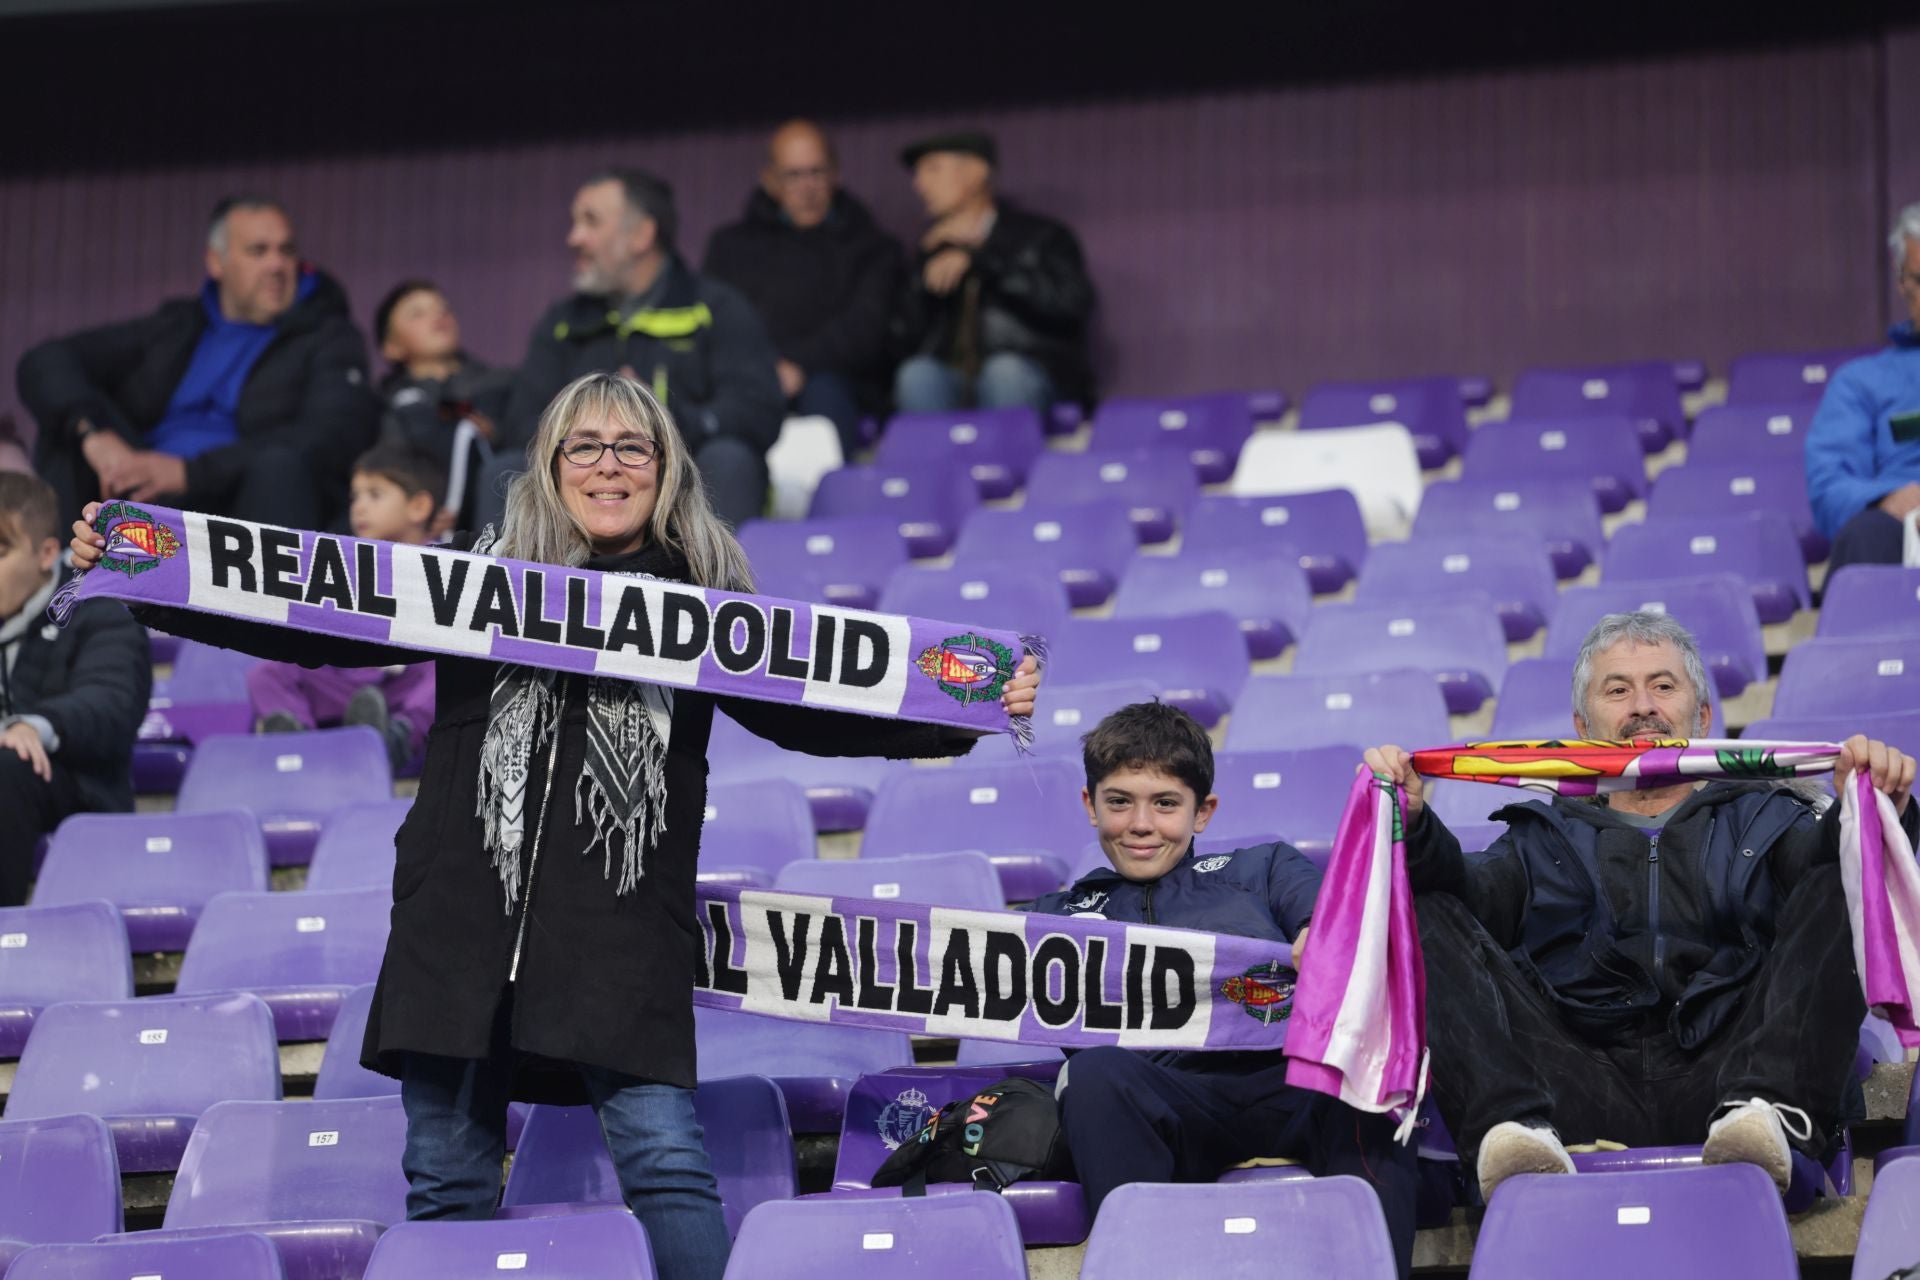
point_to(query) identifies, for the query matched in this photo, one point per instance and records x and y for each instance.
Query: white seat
(1377, 464)
(807, 449)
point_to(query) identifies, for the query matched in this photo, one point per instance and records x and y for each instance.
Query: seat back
(59, 1180)
(1737, 487)
(74, 951)
(1357, 710)
(1717, 609)
(925, 498)
(1558, 512)
(1889, 1231)
(341, 1075)
(995, 446)
(1210, 429)
(887, 1108)
(1069, 712)
(1430, 408)
(1008, 595)
(880, 1240)
(1870, 600)
(1298, 796)
(1759, 547)
(1322, 530)
(256, 941)
(1751, 433)
(842, 560)
(1156, 485)
(1021, 805)
(1866, 675)
(1088, 543)
(1645, 391)
(1268, 595)
(1377, 464)
(1459, 639)
(241, 1255)
(356, 849)
(963, 879)
(1517, 575)
(1604, 451)
(765, 823)
(606, 1246)
(291, 782)
(1193, 658)
(159, 869)
(1291, 1229)
(293, 1161)
(1783, 377)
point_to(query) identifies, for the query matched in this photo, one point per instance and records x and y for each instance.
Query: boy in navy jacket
(1187, 1115)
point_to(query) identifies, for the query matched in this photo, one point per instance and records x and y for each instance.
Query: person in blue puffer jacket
(1188, 1115)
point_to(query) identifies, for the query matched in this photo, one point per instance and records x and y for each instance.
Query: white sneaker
(1511, 1147)
(1755, 1132)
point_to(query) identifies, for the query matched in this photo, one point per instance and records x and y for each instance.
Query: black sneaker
(278, 722)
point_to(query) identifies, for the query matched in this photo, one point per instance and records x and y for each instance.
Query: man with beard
(1649, 967)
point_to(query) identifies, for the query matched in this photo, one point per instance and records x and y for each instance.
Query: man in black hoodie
(250, 400)
(821, 274)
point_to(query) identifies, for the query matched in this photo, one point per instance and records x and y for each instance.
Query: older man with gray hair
(1648, 967)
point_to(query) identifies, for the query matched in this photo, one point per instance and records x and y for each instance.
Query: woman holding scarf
(543, 943)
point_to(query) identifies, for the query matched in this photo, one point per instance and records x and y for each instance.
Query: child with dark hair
(1189, 1115)
(395, 496)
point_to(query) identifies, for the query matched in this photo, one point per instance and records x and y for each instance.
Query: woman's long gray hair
(539, 527)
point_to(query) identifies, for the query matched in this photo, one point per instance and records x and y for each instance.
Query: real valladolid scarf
(1359, 1018)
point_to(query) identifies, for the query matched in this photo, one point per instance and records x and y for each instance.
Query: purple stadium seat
(1155, 485)
(1210, 428)
(239, 1255)
(763, 825)
(1758, 547)
(1516, 574)
(842, 560)
(1870, 674)
(205, 694)
(963, 879)
(563, 1157)
(1323, 530)
(290, 782)
(1807, 1181)
(1026, 815)
(1536, 698)
(838, 788)
(1644, 391)
(1376, 463)
(1296, 796)
(1603, 451)
(1430, 408)
(300, 952)
(1559, 512)
(987, 1053)
(1750, 433)
(1267, 594)
(341, 1075)
(50, 955)
(1897, 728)
(1731, 488)
(1786, 376)
(355, 851)
(1197, 660)
(610, 1245)
(1467, 809)
(1870, 600)
(147, 1067)
(994, 446)
(162, 647)
(1717, 608)
(1721, 1220)
(1011, 595)
(1364, 710)
(1283, 1228)
(1459, 641)
(928, 499)
(1067, 713)
(814, 1063)
(971, 1236)
(159, 869)
(1223, 836)
(1088, 544)
(1890, 1229)
(59, 1182)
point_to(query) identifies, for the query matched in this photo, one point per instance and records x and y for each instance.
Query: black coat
(308, 390)
(826, 292)
(90, 679)
(699, 339)
(604, 979)
(423, 414)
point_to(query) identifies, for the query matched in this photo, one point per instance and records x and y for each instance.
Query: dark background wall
(1273, 200)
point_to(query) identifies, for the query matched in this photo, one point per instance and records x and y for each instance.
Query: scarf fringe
(622, 732)
(524, 716)
(1022, 726)
(65, 600)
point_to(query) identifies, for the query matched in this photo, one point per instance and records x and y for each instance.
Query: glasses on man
(584, 452)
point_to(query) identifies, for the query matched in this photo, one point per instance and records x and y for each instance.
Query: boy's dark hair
(28, 508)
(407, 467)
(1150, 735)
(383, 314)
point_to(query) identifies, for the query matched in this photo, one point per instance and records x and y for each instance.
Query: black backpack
(993, 1138)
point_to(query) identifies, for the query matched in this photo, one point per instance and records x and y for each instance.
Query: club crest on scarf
(1264, 992)
(968, 668)
(136, 542)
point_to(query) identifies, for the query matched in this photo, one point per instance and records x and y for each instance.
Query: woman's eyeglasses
(582, 452)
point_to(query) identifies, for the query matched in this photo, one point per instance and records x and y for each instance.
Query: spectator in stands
(996, 311)
(249, 400)
(537, 952)
(1185, 1116)
(638, 308)
(71, 699)
(440, 400)
(1863, 445)
(1650, 967)
(823, 276)
(396, 498)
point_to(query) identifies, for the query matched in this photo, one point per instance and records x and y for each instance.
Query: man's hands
(792, 377)
(1300, 945)
(951, 240)
(1890, 768)
(945, 270)
(87, 546)
(1398, 765)
(126, 472)
(1902, 501)
(24, 740)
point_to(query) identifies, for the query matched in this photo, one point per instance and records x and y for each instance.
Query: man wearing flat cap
(996, 309)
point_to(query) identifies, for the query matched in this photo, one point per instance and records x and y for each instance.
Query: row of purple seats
(1786, 377)
(1431, 410)
(1864, 675)
(1208, 429)
(1772, 487)
(1869, 600)
(1645, 393)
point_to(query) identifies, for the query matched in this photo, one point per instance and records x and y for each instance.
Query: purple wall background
(1697, 205)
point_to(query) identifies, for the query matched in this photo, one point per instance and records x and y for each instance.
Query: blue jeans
(926, 385)
(830, 396)
(457, 1138)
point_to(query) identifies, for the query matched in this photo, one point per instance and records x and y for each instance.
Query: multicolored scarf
(1359, 1019)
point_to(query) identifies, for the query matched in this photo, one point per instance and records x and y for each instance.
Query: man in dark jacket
(250, 400)
(71, 699)
(1186, 1115)
(997, 309)
(1651, 967)
(638, 307)
(821, 274)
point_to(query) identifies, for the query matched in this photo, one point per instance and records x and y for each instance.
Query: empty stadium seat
(926, 498)
(290, 782)
(356, 849)
(1786, 376)
(1868, 674)
(1362, 710)
(147, 1067)
(1458, 640)
(1376, 464)
(1536, 697)
(1869, 600)
(814, 1063)
(1605, 452)
(1515, 573)
(1750, 433)
(1291, 1229)
(1210, 429)
(1759, 547)
(1068, 712)
(843, 560)
(1007, 595)
(204, 694)
(1296, 796)
(605, 1246)
(300, 952)
(1088, 544)
(1429, 408)
(983, 1053)
(1322, 530)
(59, 1182)
(341, 1075)
(838, 788)
(1267, 594)
(1558, 512)
(1890, 1230)
(936, 1236)
(1733, 488)
(763, 825)
(994, 446)
(1717, 608)
(1156, 485)
(238, 1255)
(1644, 392)
(76, 951)
(159, 869)
(964, 879)
(1198, 661)
(1025, 815)
(1467, 809)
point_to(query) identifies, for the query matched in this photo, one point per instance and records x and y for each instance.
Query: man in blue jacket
(1863, 445)
(1187, 1116)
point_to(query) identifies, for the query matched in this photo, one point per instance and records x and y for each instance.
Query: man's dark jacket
(1035, 299)
(825, 292)
(698, 345)
(308, 390)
